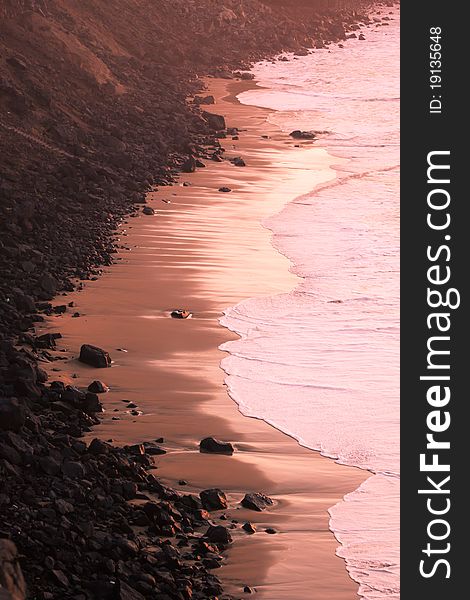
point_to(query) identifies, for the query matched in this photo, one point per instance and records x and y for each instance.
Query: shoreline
(117, 310)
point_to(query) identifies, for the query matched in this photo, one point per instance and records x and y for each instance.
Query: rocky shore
(94, 113)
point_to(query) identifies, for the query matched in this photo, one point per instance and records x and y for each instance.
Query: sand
(205, 251)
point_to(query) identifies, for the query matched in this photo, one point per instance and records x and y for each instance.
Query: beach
(205, 250)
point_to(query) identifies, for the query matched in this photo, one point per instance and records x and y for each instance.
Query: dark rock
(91, 404)
(225, 189)
(302, 135)
(248, 590)
(180, 313)
(94, 356)
(256, 501)
(213, 499)
(148, 210)
(47, 340)
(189, 165)
(362, 36)
(126, 592)
(204, 100)
(98, 387)
(12, 414)
(218, 534)
(213, 446)
(216, 122)
(73, 469)
(249, 527)
(153, 449)
(200, 164)
(247, 76)
(49, 465)
(98, 447)
(270, 530)
(216, 157)
(239, 162)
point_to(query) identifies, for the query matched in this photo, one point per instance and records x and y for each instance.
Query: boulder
(213, 499)
(256, 501)
(212, 446)
(225, 189)
(302, 135)
(94, 356)
(249, 527)
(180, 313)
(12, 414)
(98, 387)
(218, 534)
(239, 162)
(204, 100)
(189, 165)
(214, 121)
(148, 210)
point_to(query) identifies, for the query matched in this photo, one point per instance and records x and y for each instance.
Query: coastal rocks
(12, 414)
(256, 501)
(249, 527)
(218, 534)
(98, 387)
(94, 356)
(302, 135)
(215, 122)
(204, 100)
(189, 165)
(12, 583)
(210, 445)
(148, 210)
(180, 313)
(213, 499)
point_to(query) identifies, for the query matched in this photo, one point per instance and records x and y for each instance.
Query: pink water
(322, 362)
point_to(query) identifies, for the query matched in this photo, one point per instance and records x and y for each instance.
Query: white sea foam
(322, 362)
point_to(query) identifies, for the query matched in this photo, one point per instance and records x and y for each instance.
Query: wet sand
(204, 251)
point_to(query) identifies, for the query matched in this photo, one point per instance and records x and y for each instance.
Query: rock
(362, 36)
(12, 583)
(248, 590)
(216, 157)
(218, 534)
(73, 469)
(153, 449)
(214, 121)
(302, 135)
(49, 465)
(200, 164)
(225, 189)
(213, 499)
(239, 162)
(247, 76)
(94, 356)
(212, 446)
(249, 527)
(47, 340)
(12, 414)
(91, 404)
(271, 530)
(61, 578)
(148, 210)
(189, 165)
(98, 447)
(256, 501)
(48, 284)
(126, 592)
(204, 100)
(180, 313)
(98, 387)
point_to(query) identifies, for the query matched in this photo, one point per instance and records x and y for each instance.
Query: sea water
(321, 363)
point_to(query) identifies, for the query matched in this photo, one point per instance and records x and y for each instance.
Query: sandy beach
(205, 250)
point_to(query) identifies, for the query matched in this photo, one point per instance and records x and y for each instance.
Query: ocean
(321, 363)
